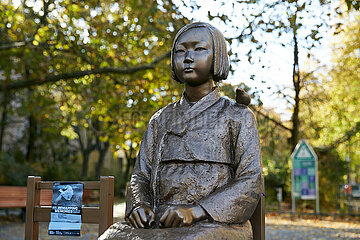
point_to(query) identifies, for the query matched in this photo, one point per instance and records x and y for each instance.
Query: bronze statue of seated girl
(198, 171)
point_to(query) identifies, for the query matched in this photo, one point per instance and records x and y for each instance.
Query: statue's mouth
(188, 69)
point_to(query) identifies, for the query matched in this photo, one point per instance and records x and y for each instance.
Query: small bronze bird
(242, 97)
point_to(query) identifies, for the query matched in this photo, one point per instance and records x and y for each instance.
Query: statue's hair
(220, 64)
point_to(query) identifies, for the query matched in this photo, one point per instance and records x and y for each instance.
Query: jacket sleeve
(139, 191)
(236, 201)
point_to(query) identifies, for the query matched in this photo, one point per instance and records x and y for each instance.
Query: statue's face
(194, 56)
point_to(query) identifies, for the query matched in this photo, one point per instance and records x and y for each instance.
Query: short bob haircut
(220, 65)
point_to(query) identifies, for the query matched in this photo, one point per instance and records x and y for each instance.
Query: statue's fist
(141, 217)
(178, 216)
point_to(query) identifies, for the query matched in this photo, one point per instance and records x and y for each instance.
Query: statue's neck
(195, 93)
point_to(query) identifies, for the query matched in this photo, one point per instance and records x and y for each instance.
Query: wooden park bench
(37, 212)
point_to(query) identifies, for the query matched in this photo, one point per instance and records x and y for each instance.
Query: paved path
(277, 227)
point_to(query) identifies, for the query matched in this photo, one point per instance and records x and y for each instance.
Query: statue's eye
(179, 51)
(200, 49)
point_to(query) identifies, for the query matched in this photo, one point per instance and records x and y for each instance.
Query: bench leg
(32, 200)
(106, 203)
(23, 214)
(258, 220)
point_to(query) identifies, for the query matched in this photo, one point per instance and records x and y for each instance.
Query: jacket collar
(184, 112)
(205, 102)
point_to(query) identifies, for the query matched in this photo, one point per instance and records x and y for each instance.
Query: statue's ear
(242, 97)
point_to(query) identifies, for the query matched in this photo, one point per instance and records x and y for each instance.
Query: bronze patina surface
(198, 171)
(198, 231)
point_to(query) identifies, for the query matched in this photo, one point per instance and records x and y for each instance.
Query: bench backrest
(15, 197)
(35, 212)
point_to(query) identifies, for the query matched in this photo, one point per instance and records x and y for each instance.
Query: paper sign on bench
(66, 209)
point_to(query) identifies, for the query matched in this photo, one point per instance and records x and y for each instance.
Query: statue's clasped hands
(174, 216)
(178, 216)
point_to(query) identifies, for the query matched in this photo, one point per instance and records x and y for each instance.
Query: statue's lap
(200, 231)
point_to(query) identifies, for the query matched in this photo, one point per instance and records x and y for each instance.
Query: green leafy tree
(330, 117)
(86, 76)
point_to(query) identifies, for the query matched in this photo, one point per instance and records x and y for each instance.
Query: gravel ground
(277, 227)
(13, 229)
(280, 227)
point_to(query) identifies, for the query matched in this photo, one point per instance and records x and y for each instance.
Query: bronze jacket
(206, 154)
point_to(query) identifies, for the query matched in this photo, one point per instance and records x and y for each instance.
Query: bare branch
(272, 119)
(12, 45)
(310, 73)
(287, 97)
(348, 135)
(76, 74)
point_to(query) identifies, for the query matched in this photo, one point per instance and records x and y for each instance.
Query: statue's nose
(189, 58)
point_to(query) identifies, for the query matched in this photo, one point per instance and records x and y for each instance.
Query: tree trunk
(130, 160)
(30, 150)
(4, 115)
(127, 169)
(297, 87)
(85, 150)
(102, 147)
(121, 162)
(121, 179)
(85, 165)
